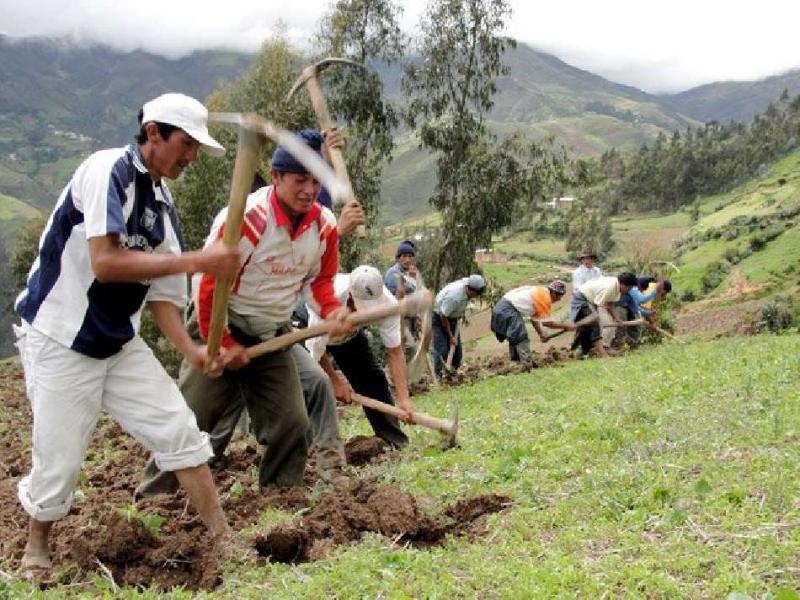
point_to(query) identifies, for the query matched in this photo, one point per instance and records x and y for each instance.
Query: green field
(670, 473)
(777, 263)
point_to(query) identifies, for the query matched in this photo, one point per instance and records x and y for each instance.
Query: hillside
(732, 100)
(747, 240)
(667, 473)
(59, 101)
(541, 96)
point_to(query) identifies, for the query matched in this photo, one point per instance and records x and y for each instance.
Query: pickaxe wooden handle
(448, 427)
(582, 323)
(310, 76)
(452, 352)
(633, 323)
(247, 155)
(409, 305)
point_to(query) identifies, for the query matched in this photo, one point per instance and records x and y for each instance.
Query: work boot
(523, 351)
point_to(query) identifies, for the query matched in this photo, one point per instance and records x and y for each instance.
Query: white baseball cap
(366, 287)
(186, 113)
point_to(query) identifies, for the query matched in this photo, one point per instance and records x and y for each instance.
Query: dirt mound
(480, 368)
(158, 543)
(342, 516)
(363, 449)
(132, 555)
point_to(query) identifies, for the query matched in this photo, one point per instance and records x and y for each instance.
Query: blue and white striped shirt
(111, 192)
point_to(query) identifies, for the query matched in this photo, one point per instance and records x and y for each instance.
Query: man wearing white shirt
(599, 295)
(450, 305)
(111, 246)
(361, 290)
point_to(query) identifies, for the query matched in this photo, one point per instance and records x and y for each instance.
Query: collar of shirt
(283, 220)
(160, 191)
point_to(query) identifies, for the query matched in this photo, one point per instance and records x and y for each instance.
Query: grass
(778, 261)
(670, 473)
(519, 272)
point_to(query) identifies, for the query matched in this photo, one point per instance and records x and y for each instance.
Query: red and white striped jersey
(278, 264)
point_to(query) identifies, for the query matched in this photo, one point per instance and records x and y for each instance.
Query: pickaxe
(410, 305)
(310, 77)
(253, 131)
(578, 324)
(448, 427)
(633, 323)
(420, 363)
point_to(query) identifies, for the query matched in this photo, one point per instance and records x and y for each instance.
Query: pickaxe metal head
(452, 430)
(317, 68)
(253, 123)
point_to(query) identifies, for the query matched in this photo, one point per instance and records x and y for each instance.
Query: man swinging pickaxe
(310, 77)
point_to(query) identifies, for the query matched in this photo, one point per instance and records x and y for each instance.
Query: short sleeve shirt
(601, 290)
(531, 301)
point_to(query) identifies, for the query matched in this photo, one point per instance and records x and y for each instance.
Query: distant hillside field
(59, 101)
(747, 237)
(732, 100)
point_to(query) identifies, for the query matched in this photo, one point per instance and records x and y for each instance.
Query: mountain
(541, 96)
(59, 101)
(732, 100)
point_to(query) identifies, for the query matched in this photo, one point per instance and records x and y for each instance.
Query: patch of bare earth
(707, 316)
(160, 541)
(342, 516)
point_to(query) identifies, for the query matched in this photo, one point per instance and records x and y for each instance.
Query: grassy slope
(668, 473)
(762, 196)
(686, 488)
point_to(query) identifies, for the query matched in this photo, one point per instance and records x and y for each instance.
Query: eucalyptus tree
(480, 180)
(367, 32)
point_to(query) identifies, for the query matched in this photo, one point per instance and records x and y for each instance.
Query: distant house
(563, 203)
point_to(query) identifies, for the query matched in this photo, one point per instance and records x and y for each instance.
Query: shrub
(715, 272)
(688, 296)
(757, 242)
(778, 314)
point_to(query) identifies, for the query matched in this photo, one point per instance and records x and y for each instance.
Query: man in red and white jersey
(289, 250)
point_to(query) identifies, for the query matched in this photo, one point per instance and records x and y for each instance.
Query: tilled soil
(363, 449)
(342, 516)
(160, 542)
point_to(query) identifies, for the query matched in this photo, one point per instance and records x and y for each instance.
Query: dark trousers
(270, 387)
(585, 337)
(357, 361)
(441, 345)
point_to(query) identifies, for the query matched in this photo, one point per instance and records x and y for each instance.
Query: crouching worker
(535, 302)
(363, 290)
(450, 305)
(593, 296)
(111, 245)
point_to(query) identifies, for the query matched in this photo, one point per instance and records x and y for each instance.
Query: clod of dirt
(362, 449)
(342, 516)
(133, 556)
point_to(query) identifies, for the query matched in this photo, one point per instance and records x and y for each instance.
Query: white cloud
(654, 46)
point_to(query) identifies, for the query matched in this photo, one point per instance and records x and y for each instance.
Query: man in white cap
(111, 245)
(363, 289)
(451, 304)
(535, 302)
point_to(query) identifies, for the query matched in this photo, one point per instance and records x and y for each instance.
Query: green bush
(779, 314)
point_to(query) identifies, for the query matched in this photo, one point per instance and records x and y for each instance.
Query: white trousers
(67, 390)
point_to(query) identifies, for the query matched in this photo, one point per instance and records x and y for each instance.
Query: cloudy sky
(656, 46)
